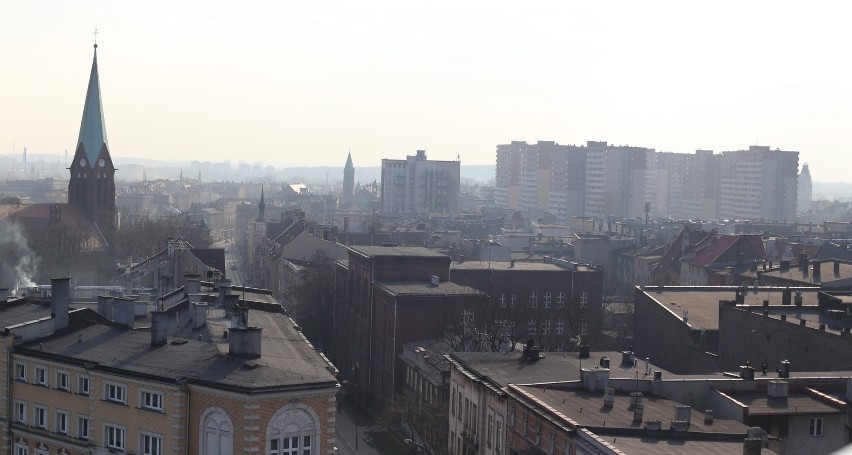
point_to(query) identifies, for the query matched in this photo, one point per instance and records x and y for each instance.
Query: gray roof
(760, 403)
(288, 361)
(503, 368)
(518, 266)
(415, 288)
(92, 128)
(396, 251)
(14, 312)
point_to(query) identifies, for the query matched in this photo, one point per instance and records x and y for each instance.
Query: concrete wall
(834, 436)
(752, 336)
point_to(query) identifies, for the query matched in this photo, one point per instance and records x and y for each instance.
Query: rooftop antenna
(96, 34)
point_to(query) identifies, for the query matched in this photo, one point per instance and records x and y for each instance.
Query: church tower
(348, 180)
(92, 184)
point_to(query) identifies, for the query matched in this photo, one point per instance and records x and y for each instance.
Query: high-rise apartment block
(602, 180)
(758, 184)
(806, 190)
(541, 177)
(418, 185)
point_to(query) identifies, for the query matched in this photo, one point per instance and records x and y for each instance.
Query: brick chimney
(60, 300)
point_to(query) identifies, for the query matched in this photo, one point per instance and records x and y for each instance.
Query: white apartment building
(417, 185)
(619, 180)
(758, 184)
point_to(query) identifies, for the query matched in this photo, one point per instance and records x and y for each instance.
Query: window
(150, 444)
(560, 300)
(40, 376)
(584, 328)
(502, 300)
(62, 422)
(453, 402)
(533, 300)
(545, 327)
(217, 437)
(151, 400)
(20, 414)
(547, 300)
(498, 437)
(83, 430)
(531, 326)
(293, 430)
(115, 392)
(584, 299)
(40, 416)
(83, 385)
(21, 449)
(490, 429)
(512, 300)
(114, 436)
(21, 372)
(63, 380)
(512, 416)
(816, 427)
(560, 326)
(460, 405)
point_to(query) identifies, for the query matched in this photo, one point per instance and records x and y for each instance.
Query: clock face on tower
(82, 162)
(102, 162)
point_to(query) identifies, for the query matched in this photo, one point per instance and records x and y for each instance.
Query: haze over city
(301, 84)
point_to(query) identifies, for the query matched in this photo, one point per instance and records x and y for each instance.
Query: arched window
(217, 433)
(293, 430)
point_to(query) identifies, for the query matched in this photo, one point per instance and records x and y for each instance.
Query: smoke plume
(18, 263)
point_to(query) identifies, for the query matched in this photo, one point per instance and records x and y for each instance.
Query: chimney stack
(637, 405)
(4, 294)
(243, 340)
(123, 311)
(777, 389)
(786, 297)
(798, 298)
(785, 369)
(584, 351)
(836, 268)
(609, 397)
(752, 446)
(60, 301)
(682, 418)
(192, 283)
(159, 327)
(817, 269)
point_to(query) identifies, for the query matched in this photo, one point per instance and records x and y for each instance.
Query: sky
(302, 83)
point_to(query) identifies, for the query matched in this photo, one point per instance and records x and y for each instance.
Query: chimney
(777, 389)
(224, 289)
(785, 265)
(243, 340)
(653, 425)
(752, 446)
(192, 283)
(123, 311)
(637, 405)
(159, 327)
(836, 268)
(798, 298)
(200, 315)
(682, 418)
(627, 357)
(708, 417)
(60, 299)
(803, 262)
(584, 351)
(817, 271)
(784, 372)
(746, 372)
(740, 296)
(609, 397)
(4, 294)
(105, 306)
(434, 280)
(786, 297)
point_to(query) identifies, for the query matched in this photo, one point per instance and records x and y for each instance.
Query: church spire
(261, 207)
(93, 136)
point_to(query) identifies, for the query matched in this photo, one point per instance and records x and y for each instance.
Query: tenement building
(418, 185)
(203, 372)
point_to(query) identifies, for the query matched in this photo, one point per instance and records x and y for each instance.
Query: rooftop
(489, 265)
(396, 251)
(505, 368)
(702, 302)
(827, 275)
(656, 446)
(413, 288)
(795, 403)
(288, 361)
(18, 311)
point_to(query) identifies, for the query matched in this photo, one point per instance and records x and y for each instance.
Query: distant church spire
(93, 137)
(261, 207)
(91, 187)
(348, 180)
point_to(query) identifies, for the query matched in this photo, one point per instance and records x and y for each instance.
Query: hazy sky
(301, 83)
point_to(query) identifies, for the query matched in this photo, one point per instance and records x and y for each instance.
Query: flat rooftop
(827, 275)
(656, 446)
(702, 302)
(493, 265)
(415, 288)
(18, 311)
(505, 368)
(795, 403)
(396, 251)
(588, 410)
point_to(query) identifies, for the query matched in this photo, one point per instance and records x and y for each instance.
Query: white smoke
(18, 263)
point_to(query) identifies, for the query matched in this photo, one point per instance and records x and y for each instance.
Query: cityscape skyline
(386, 80)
